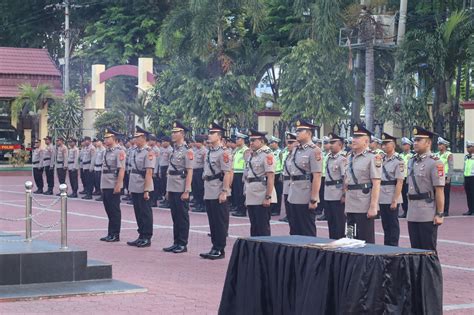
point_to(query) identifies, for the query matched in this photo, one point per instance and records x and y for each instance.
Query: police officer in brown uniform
(60, 160)
(88, 167)
(334, 187)
(393, 169)
(362, 179)
(305, 175)
(290, 144)
(141, 187)
(165, 153)
(180, 174)
(217, 179)
(425, 208)
(259, 189)
(48, 164)
(111, 184)
(200, 153)
(73, 167)
(37, 161)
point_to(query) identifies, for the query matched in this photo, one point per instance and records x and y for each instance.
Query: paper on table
(340, 243)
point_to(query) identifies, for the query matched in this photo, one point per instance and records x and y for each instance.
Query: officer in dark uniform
(362, 179)
(305, 181)
(111, 183)
(141, 187)
(259, 189)
(48, 164)
(393, 169)
(426, 174)
(217, 179)
(180, 175)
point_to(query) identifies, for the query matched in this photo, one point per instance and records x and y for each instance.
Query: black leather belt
(46, 159)
(388, 182)
(301, 177)
(183, 172)
(198, 169)
(257, 179)
(212, 177)
(333, 182)
(139, 172)
(109, 171)
(422, 196)
(70, 162)
(359, 186)
(286, 177)
(97, 165)
(85, 163)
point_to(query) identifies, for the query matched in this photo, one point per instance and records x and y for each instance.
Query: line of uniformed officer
(200, 153)
(445, 155)
(406, 155)
(239, 157)
(37, 161)
(469, 177)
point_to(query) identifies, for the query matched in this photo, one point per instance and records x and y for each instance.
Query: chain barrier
(52, 204)
(7, 240)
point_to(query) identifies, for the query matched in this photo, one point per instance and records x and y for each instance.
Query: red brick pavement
(185, 283)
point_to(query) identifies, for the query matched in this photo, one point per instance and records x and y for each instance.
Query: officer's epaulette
(398, 157)
(434, 156)
(148, 149)
(267, 151)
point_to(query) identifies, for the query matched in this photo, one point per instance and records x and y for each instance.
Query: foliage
(309, 79)
(19, 158)
(110, 119)
(65, 116)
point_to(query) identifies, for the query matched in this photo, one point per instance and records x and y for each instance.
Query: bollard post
(28, 211)
(63, 190)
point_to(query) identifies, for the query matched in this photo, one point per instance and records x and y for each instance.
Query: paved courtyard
(185, 283)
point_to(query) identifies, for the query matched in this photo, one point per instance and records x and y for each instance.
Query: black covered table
(283, 275)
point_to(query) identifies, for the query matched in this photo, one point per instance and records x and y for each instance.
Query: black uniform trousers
(218, 215)
(302, 220)
(73, 180)
(288, 211)
(49, 171)
(390, 224)
(83, 179)
(61, 175)
(89, 181)
(364, 227)
(405, 195)
(38, 177)
(163, 178)
(180, 216)
(126, 180)
(97, 176)
(156, 189)
(143, 215)
(260, 220)
(469, 189)
(276, 207)
(336, 217)
(322, 204)
(447, 195)
(111, 203)
(423, 235)
(197, 186)
(238, 196)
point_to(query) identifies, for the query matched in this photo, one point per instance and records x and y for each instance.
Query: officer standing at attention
(200, 152)
(98, 161)
(469, 177)
(141, 187)
(238, 161)
(37, 161)
(217, 180)
(362, 179)
(152, 144)
(48, 164)
(165, 153)
(88, 167)
(305, 175)
(287, 154)
(274, 143)
(393, 173)
(180, 175)
(73, 166)
(425, 209)
(129, 149)
(406, 155)
(81, 170)
(334, 191)
(260, 188)
(322, 202)
(60, 160)
(447, 158)
(111, 183)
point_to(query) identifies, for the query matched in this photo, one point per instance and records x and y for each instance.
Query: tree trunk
(355, 109)
(369, 85)
(453, 124)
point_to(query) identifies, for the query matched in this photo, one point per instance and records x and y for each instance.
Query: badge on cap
(415, 131)
(174, 125)
(298, 123)
(356, 128)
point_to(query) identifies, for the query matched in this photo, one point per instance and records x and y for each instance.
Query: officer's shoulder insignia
(402, 167)
(312, 145)
(225, 156)
(270, 159)
(151, 154)
(450, 157)
(434, 157)
(317, 155)
(121, 156)
(440, 168)
(190, 155)
(378, 160)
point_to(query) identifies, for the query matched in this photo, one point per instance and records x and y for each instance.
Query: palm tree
(29, 103)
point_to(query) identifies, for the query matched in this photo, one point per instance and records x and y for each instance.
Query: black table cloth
(283, 275)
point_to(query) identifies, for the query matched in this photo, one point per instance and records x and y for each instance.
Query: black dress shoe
(180, 249)
(322, 218)
(159, 198)
(216, 254)
(144, 243)
(198, 209)
(468, 213)
(446, 214)
(87, 197)
(73, 195)
(48, 192)
(104, 239)
(170, 248)
(129, 202)
(38, 192)
(205, 255)
(112, 238)
(274, 214)
(403, 215)
(96, 193)
(239, 214)
(99, 199)
(285, 219)
(82, 192)
(135, 242)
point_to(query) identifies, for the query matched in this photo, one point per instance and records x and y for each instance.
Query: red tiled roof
(26, 61)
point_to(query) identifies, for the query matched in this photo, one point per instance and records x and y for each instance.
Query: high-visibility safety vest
(444, 158)
(406, 157)
(468, 165)
(239, 159)
(284, 153)
(278, 161)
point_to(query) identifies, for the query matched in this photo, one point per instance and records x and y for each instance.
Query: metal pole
(28, 187)
(402, 21)
(67, 37)
(63, 189)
